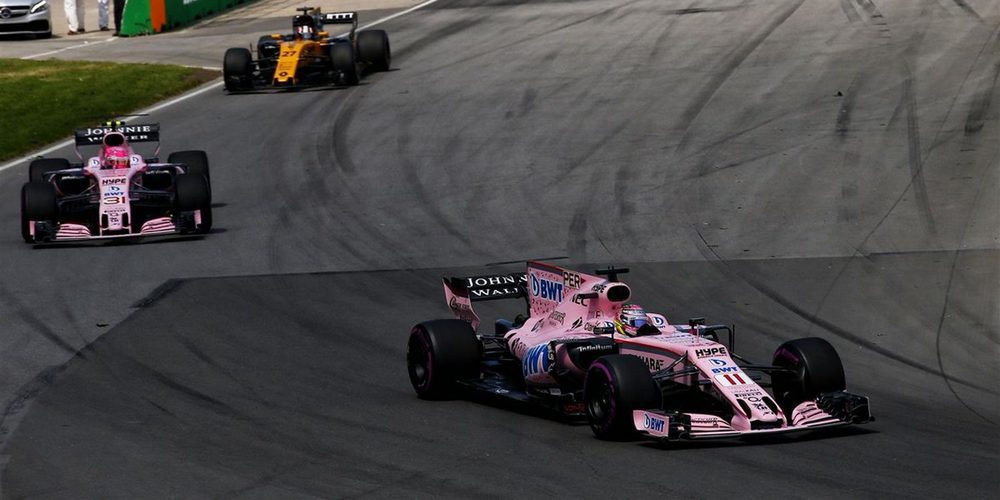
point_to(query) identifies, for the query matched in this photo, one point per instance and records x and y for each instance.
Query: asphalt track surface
(799, 168)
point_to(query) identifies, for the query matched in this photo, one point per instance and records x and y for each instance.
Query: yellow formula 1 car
(309, 56)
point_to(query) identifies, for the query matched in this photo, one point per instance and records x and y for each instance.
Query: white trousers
(74, 14)
(75, 10)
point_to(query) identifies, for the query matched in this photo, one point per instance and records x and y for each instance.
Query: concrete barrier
(145, 17)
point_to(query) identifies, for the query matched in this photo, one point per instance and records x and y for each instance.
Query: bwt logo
(724, 369)
(653, 423)
(548, 290)
(710, 351)
(536, 360)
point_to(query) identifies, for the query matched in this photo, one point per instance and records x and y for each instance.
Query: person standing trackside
(102, 14)
(119, 10)
(74, 16)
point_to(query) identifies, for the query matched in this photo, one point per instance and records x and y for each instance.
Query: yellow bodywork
(294, 54)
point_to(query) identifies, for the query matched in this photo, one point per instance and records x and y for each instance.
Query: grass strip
(43, 101)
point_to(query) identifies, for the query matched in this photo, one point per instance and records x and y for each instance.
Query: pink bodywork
(113, 193)
(566, 304)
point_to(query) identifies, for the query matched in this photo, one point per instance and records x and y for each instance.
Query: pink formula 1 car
(118, 193)
(584, 351)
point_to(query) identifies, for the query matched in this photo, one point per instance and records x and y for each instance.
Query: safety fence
(145, 17)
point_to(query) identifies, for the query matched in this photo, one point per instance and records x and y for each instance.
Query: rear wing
(460, 293)
(341, 18)
(143, 132)
(94, 136)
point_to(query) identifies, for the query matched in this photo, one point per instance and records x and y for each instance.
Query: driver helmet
(304, 31)
(630, 319)
(116, 157)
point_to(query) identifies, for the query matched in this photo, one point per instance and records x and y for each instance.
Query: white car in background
(26, 17)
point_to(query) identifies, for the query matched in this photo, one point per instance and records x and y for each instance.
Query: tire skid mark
(875, 16)
(25, 314)
(983, 99)
(428, 203)
(843, 124)
(962, 4)
(531, 37)
(827, 325)
(848, 8)
(718, 79)
(914, 156)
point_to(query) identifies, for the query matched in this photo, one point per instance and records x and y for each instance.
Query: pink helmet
(116, 157)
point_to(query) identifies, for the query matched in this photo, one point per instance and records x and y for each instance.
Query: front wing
(833, 409)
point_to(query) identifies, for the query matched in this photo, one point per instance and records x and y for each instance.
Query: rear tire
(38, 203)
(817, 369)
(196, 161)
(343, 61)
(193, 193)
(438, 354)
(615, 386)
(237, 69)
(373, 49)
(38, 168)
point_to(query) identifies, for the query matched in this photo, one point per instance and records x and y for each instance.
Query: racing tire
(438, 354)
(237, 69)
(373, 49)
(192, 192)
(38, 203)
(816, 368)
(38, 168)
(343, 60)
(616, 385)
(196, 161)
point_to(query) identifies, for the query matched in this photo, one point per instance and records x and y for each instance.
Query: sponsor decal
(491, 292)
(598, 347)
(578, 299)
(757, 403)
(731, 379)
(653, 364)
(557, 317)
(653, 423)
(481, 281)
(576, 324)
(536, 360)
(463, 311)
(709, 352)
(718, 362)
(131, 129)
(725, 369)
(598, 287)
(113, 190)
(538, 325)
(704, 420)
(545, 289)
(114, 180)
(746, 393)
(572, 280)
(658, 321)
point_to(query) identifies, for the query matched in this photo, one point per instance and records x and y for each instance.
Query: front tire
(373, 49)
(343, 61)
(38, 203)
(615, 386)
(237, 69)
(192, 192)
(438, 354)
(815, 368)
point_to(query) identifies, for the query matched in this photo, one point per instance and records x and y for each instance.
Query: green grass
(43, 101)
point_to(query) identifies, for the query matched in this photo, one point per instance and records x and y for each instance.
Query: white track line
(71, 47)
(182, 97)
